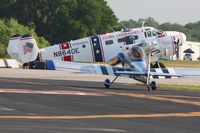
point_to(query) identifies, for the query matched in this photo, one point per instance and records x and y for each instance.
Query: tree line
(57, 21)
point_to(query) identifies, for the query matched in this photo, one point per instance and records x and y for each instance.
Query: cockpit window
(157, 31)
(154, 34)
(149, 34)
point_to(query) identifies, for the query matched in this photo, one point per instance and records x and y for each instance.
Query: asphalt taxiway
(37, 101)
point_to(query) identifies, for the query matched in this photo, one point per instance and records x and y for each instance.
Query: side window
(136, 37)
(109, 42)
(129, 40)
(121, 40)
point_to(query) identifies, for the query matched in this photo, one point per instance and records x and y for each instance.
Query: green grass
(191, 64)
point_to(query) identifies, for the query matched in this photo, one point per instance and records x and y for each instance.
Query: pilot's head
(136, 53)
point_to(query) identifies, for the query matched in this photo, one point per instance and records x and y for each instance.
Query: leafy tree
(61, 20)
(6, 3)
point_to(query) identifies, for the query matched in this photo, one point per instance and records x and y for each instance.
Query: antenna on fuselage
(143, 23)
(111, 28)
(126, 29)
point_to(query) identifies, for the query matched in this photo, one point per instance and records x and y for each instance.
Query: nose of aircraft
(178, 35)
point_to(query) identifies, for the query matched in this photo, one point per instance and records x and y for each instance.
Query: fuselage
(102, 48)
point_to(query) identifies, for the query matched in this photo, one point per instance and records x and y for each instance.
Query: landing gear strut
(107, 82)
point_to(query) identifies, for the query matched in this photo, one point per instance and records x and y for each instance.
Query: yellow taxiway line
(177, 96)
(190, 114)
(158, 98)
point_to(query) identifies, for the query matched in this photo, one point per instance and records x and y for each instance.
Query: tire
(153, 85)
(107, 83)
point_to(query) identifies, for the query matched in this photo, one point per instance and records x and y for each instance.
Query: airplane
(136, 65)
(97, 48)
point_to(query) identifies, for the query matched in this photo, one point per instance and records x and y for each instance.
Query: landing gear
(107, 82)
(152, 86)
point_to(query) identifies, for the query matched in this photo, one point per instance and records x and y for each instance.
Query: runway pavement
(46, 102)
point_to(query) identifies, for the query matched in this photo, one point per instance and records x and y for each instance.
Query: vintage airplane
(98, 48)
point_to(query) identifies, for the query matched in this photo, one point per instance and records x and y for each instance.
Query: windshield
(157, 31)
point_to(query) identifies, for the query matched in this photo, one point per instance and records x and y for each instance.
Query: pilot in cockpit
(135, 54)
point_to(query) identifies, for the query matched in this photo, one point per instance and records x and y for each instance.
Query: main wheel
(153, 85)
(107, 83)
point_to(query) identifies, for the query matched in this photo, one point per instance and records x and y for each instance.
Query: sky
(173, 11)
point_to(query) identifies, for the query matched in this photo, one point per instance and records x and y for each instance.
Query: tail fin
(23, 48)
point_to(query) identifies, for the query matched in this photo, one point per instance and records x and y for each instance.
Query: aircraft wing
(154, 75)
(102, 69)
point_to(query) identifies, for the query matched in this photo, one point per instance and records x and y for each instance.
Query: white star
(97, 51)
(94, 39)
(94, 44)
